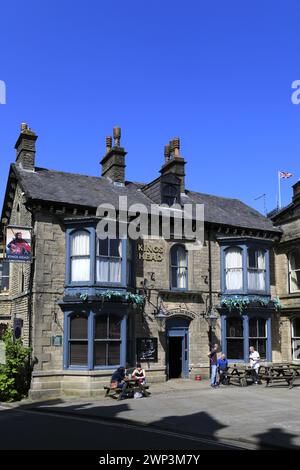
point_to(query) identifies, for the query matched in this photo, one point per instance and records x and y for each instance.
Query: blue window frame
(245, 269)
(178, 268)
(94, 340)
(92, 262)
(239, 332)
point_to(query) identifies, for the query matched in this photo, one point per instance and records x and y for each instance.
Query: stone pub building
(87, 306)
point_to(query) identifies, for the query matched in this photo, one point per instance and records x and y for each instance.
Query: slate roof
(90, 191)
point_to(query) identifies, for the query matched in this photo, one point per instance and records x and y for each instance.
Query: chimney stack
(113, 163)
(174, 162)
(25, 148)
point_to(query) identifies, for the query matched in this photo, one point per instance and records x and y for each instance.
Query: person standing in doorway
(254, 363)
(213, 365)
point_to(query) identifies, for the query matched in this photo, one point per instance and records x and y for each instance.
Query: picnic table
(280, 373)
(239, 374)
(128, 391)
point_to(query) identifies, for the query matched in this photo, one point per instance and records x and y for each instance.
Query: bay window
(245, 268)
(239, 332)
(95, 339)
(294, 271)
(235, 338)
(234, 269)
(107, 340)
(258, 335)
(80, 256)
(178, 259)
(78, 340)
(296, 339)
(256, 270)
(109, 260)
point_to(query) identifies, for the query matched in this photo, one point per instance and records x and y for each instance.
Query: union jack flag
(285, 174)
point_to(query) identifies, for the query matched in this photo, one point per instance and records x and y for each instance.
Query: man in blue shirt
(222, 368)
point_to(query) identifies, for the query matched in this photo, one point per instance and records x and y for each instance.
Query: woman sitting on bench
(139, 374)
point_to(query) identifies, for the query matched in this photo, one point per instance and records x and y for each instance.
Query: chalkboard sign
(146, 349)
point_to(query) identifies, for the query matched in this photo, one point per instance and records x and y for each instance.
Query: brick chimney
(25, 148)
(113, 163)
(174, 162)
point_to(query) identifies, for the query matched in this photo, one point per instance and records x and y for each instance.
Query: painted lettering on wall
(149, 252)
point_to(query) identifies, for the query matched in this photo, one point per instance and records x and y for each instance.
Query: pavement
(255, 417)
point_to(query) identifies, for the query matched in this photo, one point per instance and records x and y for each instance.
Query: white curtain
(109, 268)
(181, 268)
(234, 269)
(102, 269)
(257, 276)
(294, 271)
(80, 257)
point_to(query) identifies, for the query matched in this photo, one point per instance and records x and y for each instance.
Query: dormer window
(170, 189)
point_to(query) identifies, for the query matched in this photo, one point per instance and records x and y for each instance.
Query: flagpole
(279, 191)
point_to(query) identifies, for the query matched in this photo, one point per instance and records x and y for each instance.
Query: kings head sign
(18, 244)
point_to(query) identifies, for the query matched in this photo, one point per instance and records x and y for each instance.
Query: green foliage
(117, 296)
(15, 373)
(241, 302)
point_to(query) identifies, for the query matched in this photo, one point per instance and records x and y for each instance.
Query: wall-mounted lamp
(211, 317)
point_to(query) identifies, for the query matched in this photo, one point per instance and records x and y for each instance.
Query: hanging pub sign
(146, 349)
(18, 244)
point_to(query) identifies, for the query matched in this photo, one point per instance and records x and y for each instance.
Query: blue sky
(216, 74)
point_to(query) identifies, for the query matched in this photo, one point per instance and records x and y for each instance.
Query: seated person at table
(222, 368)
(139, 374)
(117, 379)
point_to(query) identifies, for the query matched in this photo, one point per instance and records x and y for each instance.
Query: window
(4, 276)
(178, 267)
(78, 340)
(296, 339)
(234, 269)
(80, 256)
(109, 260)
(258, 335)
(294, 271)
(170, 194)
(256, 270)
(107, 342)
(235, 338)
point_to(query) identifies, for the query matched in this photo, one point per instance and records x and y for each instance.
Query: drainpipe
(210, 300)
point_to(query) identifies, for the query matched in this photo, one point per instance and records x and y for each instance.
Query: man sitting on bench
(222, 369)
(118, 380)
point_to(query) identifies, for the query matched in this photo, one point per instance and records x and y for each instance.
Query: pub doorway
(177, 348)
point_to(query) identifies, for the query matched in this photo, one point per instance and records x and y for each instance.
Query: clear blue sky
(217, 74)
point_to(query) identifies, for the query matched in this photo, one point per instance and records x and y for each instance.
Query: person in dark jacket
(118, 377)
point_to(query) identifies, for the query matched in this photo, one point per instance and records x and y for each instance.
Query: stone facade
(42, 296)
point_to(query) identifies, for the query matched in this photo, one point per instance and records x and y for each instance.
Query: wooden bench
(127, 392)
(241, 375)
(283, 373)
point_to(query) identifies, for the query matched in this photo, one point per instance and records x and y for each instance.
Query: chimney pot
(167, 152)
(108, 143)
(117, 136)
